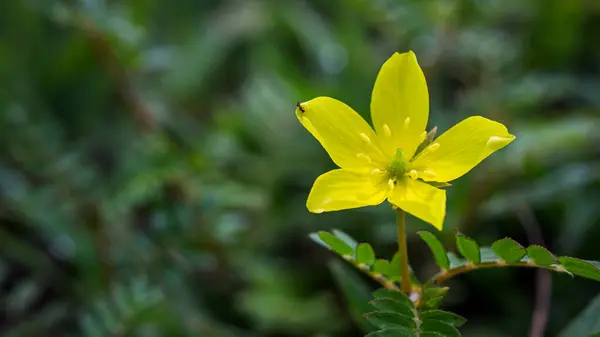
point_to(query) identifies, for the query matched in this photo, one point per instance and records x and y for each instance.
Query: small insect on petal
(299, 106)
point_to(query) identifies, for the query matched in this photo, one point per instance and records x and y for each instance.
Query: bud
(428, 139)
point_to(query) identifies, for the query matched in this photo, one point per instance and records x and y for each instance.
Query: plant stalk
(403, 250)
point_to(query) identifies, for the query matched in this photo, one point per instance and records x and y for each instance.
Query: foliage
(154, 143)
(397, 315)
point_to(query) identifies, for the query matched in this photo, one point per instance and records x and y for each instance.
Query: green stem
(402, 249)
(446, 275)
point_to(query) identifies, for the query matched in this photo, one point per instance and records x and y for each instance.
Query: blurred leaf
(586, 323)
(346, 238)
(336, 244)
(355, 291)
(381, 266)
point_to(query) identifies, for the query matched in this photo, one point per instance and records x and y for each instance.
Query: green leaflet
(440, 327)
(393, 295)
(389, 305)
(336, 244)
(468, 248)
(394, 332)
(443, 316)
(541, 256)
(580, 267)
(365, 254)
(437, 249)
(509, 250)
(385, 320)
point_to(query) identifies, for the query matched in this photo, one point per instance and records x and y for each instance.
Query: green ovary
(397, 169)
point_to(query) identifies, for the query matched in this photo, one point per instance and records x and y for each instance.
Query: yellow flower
(381, 164)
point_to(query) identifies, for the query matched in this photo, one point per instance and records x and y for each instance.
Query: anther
(365, 138)
(428, 174)
(406, 122)
(376, 171)
(433, 147)
(390, 184)
(413, 174)
(363, 156)
(386, 131)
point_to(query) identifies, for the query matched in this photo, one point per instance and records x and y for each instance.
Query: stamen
(376, 171)
(413, 174)
(365, 138)
(422, 136)
(406, 122)
(390, 185)
(433, 147)
(378, 177)
(364, 157)
(386, 131)
(428, 174)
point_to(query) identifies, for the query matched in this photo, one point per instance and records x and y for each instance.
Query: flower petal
(346, 136)
(342, 189)
(421, 200)
(460, 149)
(400, 104)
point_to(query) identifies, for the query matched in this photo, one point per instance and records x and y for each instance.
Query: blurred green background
(153, 175)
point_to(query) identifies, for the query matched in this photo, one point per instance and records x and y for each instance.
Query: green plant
(416, 312)
(398, 161)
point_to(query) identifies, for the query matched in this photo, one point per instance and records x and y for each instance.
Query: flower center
(397, 169)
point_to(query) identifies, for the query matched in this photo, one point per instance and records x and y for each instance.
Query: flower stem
(402, 249)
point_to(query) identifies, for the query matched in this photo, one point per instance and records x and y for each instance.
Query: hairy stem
(446, 275)
(402, 249)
